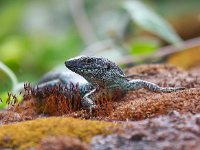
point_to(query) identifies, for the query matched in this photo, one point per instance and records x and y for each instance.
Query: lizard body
(65, 78)
(97, 75)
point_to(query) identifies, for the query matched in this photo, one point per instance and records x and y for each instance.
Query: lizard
(97, 75)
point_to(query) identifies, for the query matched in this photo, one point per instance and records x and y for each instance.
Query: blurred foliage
(147, 19)
(191, 57)
(144, 46)
(32, 50)
(36, 35)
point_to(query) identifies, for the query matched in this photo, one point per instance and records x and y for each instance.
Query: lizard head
(96, 70)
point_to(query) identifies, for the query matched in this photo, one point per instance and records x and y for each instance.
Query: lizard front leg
(138, 84)
(89, 98)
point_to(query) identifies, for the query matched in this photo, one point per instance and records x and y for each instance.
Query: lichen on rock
(27, 134)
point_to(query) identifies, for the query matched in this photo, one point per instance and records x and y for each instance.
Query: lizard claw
(88, 103)
(92, 107)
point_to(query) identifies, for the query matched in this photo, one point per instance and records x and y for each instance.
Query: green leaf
(140, 47)
(150, 21)
(4, 96)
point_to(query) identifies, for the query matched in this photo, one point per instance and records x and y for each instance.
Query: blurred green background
(38, 35)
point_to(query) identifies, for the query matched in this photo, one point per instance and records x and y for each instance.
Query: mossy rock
(27, 134)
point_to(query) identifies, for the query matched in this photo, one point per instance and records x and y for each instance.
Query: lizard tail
(170, 89)
(138, 84)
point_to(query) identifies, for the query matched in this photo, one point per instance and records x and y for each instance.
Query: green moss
(27, 134)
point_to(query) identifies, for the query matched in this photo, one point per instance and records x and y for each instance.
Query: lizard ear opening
(123, 76)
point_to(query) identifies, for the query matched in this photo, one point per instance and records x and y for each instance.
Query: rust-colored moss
(136, 105)
(27, 134)
(148, 105)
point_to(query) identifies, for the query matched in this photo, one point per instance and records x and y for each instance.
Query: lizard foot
(88, 103)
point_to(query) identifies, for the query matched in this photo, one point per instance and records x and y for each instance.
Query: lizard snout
(70, 64)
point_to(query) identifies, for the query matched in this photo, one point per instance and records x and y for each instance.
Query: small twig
(161, 53)
(172, 49)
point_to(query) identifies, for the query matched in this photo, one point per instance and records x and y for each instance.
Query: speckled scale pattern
(65, 78)
(101, 75)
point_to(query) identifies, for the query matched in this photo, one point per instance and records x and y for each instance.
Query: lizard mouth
(72, 65)
(76, 69)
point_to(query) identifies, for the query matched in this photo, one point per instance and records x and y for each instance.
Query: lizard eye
(88, 61)
(108, 67)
